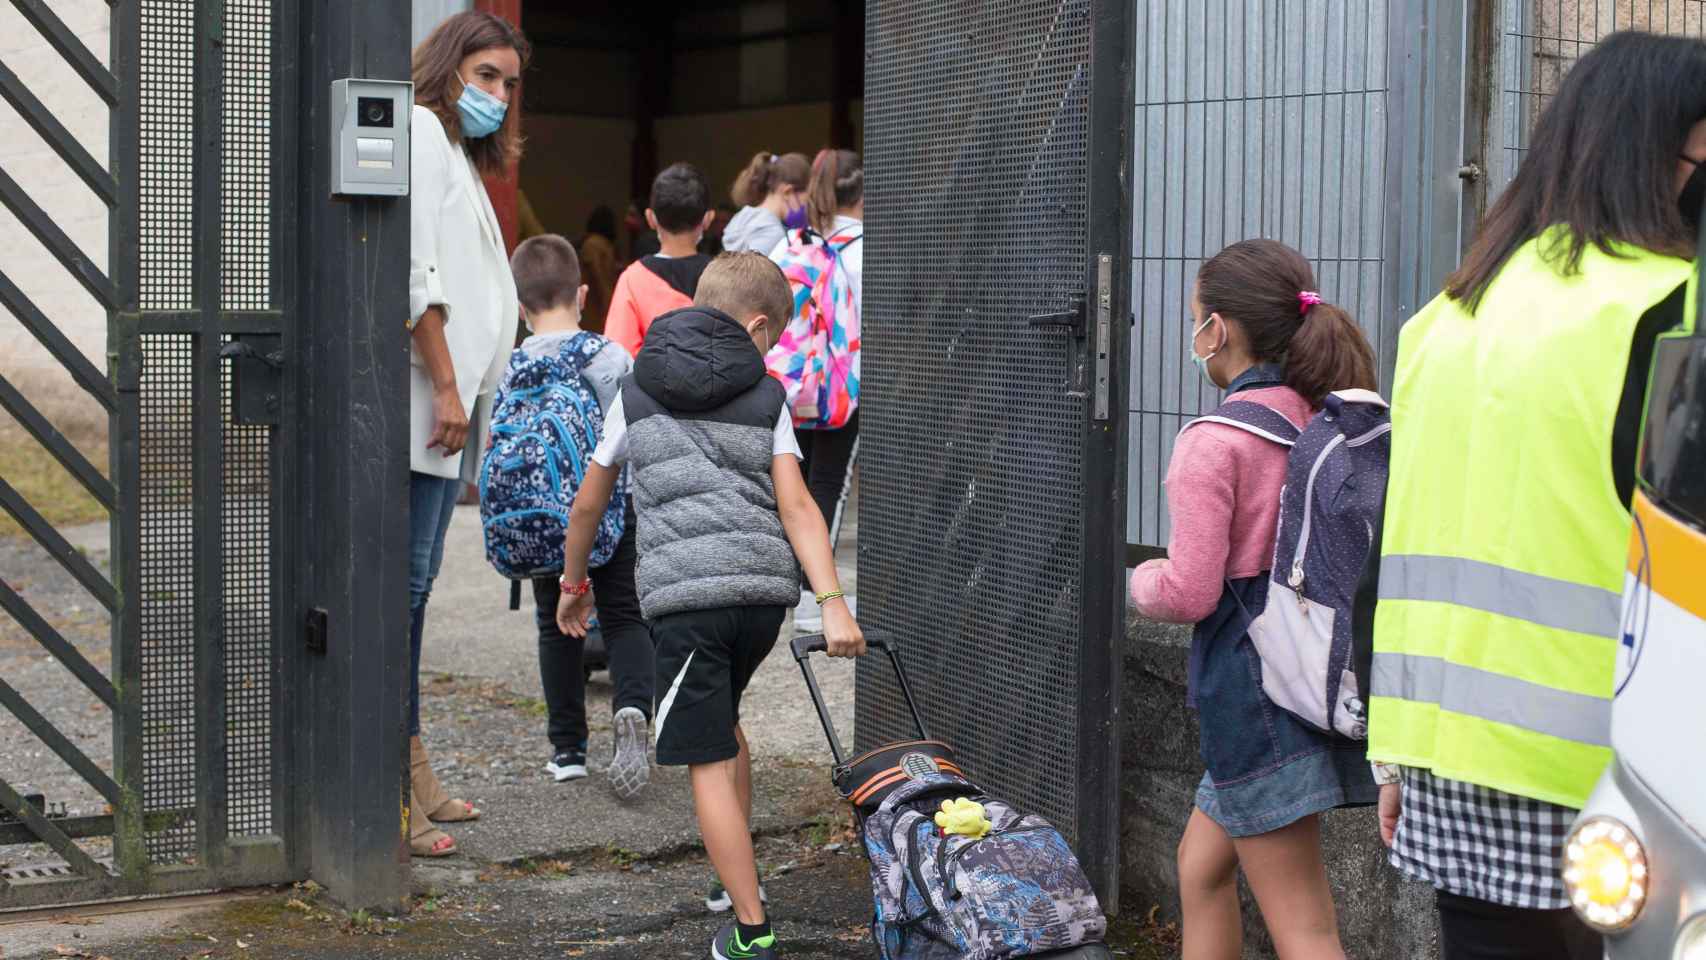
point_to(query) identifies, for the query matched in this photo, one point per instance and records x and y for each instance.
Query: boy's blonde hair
(744, 285)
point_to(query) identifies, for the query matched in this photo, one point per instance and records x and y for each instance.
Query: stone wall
(1380, 914)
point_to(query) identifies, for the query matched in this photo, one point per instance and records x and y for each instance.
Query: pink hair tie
(1307, 299)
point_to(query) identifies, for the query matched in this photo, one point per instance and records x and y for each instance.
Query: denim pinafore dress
(1266, 769)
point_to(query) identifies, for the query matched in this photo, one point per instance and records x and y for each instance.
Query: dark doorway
(619, 90)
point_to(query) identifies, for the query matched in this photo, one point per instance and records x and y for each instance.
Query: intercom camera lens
(374, 111)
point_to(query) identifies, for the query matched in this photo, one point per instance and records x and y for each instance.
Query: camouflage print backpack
(1014, 892)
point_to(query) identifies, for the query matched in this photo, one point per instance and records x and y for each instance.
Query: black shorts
(705, 658)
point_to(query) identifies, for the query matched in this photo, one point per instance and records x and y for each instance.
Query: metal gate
(209, 329)
(1371, 136)
(993, 432)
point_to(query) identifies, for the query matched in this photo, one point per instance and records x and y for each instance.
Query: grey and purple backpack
(1330, 508)
(1015, 892)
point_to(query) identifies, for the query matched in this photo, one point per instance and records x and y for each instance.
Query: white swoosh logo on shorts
(669, 699)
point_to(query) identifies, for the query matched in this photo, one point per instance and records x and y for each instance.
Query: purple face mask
(795, 220)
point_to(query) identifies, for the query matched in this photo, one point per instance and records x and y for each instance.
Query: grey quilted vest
(701, 415)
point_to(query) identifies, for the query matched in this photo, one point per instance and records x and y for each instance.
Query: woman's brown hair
(438, 89)
(768, 172)
(1600, 162)
(838, 182)
(1261, 285)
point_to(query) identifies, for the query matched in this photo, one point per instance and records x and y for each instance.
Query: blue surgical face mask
(482, 114)
(1191, 348)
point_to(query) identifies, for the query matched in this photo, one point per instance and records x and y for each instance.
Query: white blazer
(457, 261)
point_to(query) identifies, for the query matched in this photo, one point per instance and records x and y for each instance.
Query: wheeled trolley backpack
(978, 880)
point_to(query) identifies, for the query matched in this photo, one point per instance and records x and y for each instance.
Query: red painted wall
(502, 189)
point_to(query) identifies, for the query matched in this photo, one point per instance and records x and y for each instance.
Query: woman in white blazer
(462, 310)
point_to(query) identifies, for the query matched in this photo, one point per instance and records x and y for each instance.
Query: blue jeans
(432, 502)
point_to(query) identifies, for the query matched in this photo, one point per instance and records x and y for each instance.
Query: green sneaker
(726, 945)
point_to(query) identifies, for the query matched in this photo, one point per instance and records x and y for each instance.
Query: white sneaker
(808, 616)
(630, 768)
(567, 765)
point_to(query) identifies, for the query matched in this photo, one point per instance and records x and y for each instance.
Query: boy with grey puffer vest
(723, 511)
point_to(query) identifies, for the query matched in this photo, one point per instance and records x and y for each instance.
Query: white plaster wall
(28, 159)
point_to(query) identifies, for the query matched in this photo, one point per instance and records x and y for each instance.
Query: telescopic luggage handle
(805, 646)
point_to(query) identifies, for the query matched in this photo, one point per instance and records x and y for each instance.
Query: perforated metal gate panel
(1255, 118)
(209, 660)
(971, 454)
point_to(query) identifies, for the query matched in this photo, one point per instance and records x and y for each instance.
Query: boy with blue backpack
(547, 420)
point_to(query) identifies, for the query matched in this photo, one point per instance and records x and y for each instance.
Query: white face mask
(1191, 348)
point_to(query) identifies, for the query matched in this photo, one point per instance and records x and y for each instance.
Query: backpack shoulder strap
(1252, 417)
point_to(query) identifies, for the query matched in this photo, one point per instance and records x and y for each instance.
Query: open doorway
(618, 90)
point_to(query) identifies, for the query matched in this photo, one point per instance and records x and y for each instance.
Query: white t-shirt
(613, 447)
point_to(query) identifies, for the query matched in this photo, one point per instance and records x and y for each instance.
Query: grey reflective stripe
(1501, 590)
(1491, 696)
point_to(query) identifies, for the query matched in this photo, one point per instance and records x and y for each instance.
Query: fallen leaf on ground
(296, 904)
(241, 945)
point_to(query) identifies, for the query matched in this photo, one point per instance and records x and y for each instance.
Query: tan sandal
(423, 784)
(426, 840)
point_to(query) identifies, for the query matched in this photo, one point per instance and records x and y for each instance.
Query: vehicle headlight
(1605, 871)
(1691, 943)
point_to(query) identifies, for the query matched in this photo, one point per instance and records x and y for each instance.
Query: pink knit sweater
(1223, 488)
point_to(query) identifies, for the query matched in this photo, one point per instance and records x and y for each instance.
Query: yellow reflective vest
(1502, 556)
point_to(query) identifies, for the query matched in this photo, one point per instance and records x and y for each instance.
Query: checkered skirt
(1482, 843)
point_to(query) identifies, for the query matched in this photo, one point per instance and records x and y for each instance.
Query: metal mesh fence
(1541, 39)
(247, 462)
(168, 594)
(166, 201)
(1255, 118)
(976, 186)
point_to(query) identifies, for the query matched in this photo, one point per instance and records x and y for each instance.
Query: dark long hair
(1257, 285)
(437, 89)
(838, 181)
(1601, 162)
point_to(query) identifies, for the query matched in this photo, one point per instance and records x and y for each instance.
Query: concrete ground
(551, 870)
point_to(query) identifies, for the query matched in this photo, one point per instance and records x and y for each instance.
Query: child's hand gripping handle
(804, 647)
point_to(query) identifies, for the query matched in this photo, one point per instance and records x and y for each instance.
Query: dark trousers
(1471, 929)
(828, 469)
(627, 638)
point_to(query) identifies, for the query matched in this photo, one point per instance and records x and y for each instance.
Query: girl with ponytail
(771, 191)
(1260, 331)
(830, 250)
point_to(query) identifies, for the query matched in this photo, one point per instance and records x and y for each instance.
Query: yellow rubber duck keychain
(964, 817)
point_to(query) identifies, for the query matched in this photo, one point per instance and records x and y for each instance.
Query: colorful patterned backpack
(817, 358)
(1015, 892)
(545, 424)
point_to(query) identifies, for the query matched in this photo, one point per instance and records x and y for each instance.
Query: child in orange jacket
(652, 286)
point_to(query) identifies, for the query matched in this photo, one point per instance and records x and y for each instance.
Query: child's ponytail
(1268, 289)
(753, 184)
(1328, 352)
(769, 172)
(838, 181)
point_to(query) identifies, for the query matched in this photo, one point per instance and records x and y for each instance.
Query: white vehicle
(1635, 863)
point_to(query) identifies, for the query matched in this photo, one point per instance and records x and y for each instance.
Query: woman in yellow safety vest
(1516, 407)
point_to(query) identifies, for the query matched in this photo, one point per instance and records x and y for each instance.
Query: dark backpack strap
(1252, 417)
